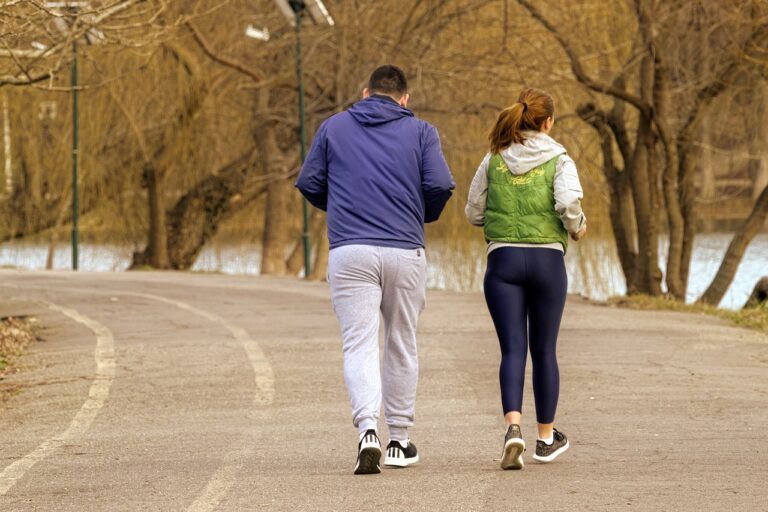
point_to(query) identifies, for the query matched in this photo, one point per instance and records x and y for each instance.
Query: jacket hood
(537, 149)
(377, 110)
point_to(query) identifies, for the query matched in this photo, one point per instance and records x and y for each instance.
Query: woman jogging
(527, 196)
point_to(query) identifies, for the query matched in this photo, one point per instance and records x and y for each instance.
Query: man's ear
(366, 93)
(404, 100)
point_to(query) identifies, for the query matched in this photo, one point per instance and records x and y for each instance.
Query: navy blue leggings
(525, 290)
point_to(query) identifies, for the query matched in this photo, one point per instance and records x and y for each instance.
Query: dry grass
(754, 318)
(15, 335)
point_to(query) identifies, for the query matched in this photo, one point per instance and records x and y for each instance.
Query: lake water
(593, 266)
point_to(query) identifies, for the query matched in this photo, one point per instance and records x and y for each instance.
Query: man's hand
(579, 235)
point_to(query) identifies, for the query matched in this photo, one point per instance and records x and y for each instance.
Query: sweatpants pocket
(411, 270)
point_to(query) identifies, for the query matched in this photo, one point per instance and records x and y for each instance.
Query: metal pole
(302, 141)
(75, 234)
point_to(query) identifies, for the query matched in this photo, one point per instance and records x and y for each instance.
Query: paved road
(188, 392)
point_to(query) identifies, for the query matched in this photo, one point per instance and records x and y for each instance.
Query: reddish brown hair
(533, 107)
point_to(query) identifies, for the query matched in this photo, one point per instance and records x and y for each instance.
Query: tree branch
(224, 61)
(578, 69)
(24, 79)
(757, 40)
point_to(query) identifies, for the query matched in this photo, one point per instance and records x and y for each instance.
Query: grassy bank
(756, 318)
(15, 335)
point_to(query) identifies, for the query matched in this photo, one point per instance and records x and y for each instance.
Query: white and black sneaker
(514, 446)
(401, 454)
(368, 454)
(549, 452)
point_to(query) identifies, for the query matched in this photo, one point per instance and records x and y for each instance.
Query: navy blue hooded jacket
(380, 174)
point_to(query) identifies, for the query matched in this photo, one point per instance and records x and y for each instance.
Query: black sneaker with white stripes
(401, 454)
(368, 454)
(549, 452)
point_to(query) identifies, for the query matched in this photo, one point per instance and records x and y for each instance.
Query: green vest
(521, 208)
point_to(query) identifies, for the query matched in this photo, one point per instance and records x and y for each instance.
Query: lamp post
(298, 7)
(317, 13)
(73, 8)
(75, 147)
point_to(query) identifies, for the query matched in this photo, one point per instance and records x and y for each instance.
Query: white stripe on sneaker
(396, 458)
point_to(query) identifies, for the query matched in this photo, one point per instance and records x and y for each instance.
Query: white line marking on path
(264, 377)
(225, 476)
(97, 396)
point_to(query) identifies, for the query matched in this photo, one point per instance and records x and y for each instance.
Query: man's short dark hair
(389, 80)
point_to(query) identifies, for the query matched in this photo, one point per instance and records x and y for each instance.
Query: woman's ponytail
(533, 107)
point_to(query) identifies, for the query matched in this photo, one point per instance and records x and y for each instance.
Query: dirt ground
(176, 391)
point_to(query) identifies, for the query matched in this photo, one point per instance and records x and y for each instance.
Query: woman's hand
(579, 235)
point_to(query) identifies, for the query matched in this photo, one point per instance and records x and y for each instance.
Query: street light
(73, 8)
(262, 34)
(318, 14)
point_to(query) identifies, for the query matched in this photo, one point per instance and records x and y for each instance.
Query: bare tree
(735, 251)
(35, 38)
(656, 140)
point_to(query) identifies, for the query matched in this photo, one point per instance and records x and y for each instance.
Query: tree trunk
(277, 228)
(621, 222)
(190, 104)
(646, 278)
(655, 275)
(320, 267)
(277, 214)
(7, 148)
(759, 296)
(196, 216)
(621, 209)
(295, 262)
(628, 218)
(706, 170)
(56, 229)
(33, 179)
(51, 249)
(688, 201)
(735, 252)
(758, 170)
(622, 189)
(156, 252)
(670, 183)
(760, 180)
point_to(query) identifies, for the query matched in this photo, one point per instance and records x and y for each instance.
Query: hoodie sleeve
(478, 194)
(568, 195)
(436, 180)
(313, 178)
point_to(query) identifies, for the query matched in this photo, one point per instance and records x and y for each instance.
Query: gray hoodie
(537, 149)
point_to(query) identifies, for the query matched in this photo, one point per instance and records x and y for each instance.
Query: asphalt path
(200, 392)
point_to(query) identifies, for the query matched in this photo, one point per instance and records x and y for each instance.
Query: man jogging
(380, 174)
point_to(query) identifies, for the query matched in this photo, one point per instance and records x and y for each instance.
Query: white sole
(398, 462)
(552, 456)
(512, 458)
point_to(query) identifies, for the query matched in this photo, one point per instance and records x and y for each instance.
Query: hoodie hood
(537, 149)
(377, 110)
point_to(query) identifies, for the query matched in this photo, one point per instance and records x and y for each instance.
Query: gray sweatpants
(367, 281)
